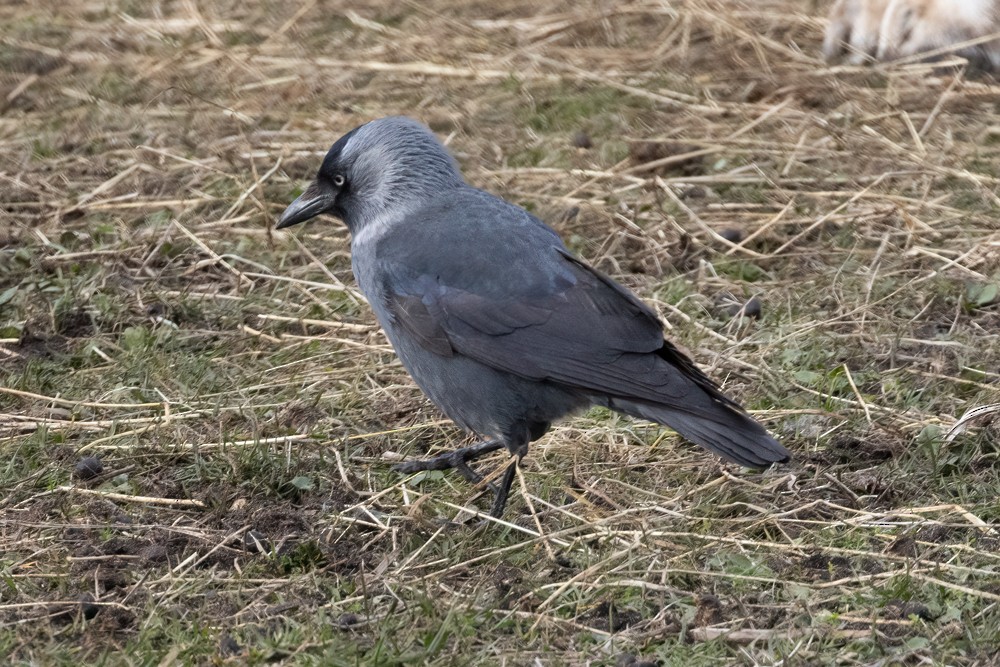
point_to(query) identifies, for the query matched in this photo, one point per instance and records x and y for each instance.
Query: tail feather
(718, 427)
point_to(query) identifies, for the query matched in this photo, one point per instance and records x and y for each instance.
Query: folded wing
(586, 332)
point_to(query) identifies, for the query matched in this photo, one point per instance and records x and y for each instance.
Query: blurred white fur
(868, 30)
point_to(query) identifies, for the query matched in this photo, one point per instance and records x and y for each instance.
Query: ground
(198, 415)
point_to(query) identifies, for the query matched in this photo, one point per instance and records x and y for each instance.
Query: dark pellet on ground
(229, 647)
(695, 192)
(582, 140)
(731, 306)
(348, 620)
(732, 234)
(752, 308)
(88, 467)
(903, 609)
(87, 607)
(685, 157)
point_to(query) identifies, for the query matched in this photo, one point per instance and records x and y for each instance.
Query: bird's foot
(458, 459)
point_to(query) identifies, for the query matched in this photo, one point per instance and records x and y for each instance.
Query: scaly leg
(504, 489)
(458, 459)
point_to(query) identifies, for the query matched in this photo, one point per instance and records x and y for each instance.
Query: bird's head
(376, 173)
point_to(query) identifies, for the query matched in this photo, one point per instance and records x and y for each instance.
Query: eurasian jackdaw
(498, 323)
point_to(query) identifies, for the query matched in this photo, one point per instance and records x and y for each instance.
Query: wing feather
(591, 334)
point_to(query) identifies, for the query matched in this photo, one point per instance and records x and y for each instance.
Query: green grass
(247, 414)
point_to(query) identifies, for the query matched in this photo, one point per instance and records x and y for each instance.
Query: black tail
(706, 417)
(717, 427)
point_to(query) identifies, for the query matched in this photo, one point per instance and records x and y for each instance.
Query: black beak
(315, 200)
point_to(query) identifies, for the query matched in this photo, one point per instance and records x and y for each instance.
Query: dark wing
(571, 331)
(584, 331)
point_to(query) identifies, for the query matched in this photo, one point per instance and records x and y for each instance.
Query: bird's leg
(517, 440)
(504, 489)
(458, 459)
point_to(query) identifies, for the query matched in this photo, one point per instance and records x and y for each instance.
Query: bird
(498, 323)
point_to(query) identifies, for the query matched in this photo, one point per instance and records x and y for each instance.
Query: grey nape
(497, 322)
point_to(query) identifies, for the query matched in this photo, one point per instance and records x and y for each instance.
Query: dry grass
(246, 409)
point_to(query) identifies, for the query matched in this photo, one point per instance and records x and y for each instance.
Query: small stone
(88, 467)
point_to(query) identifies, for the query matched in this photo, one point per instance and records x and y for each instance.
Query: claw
(459, 460)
